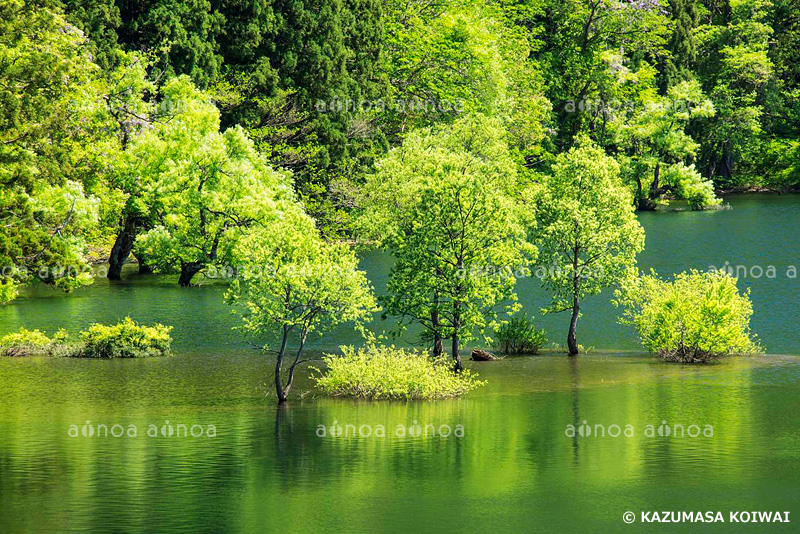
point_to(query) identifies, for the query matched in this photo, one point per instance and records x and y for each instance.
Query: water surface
(760, 231)
(516, 468)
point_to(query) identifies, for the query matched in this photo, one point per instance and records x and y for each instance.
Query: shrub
(124, 340)
(699, 193)
(519, 336)
(697, 318)
(25, 343)
(390, 373)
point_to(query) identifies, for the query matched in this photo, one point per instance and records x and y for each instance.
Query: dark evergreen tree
(681, 46)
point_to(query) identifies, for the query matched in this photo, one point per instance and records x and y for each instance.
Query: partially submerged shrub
(697, 318)
(25, 343)
(124, 340)
(699, 193)
(519, 336)
(389, 373)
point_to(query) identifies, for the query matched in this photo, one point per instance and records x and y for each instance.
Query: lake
(534, 450)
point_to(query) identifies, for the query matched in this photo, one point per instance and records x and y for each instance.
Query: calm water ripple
(517, 467)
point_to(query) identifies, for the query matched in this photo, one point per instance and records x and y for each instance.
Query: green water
(514, 469)
(758, 232)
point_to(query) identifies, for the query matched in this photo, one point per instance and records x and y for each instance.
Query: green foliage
(324, 88)
(655, 139)
(585, 49)
(35, 343)
(445, 58)
(445, 205)
(737, 73)
(124, 340)
(697, 318)
(689, 185)
(297, 75)
(681, 46)
(99, 20)
(589, 233)
(291, 280)
(519, 335)
(292, 284)
(588, 230)
(782, 158)
(52, 141)
(203, 188)
(8, 289)
(25, 343)
(389, 373)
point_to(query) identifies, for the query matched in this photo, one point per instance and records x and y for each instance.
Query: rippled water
(268, 470)
(514, 469)
(760, 231)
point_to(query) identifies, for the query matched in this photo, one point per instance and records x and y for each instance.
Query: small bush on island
(124, 340)
(698, 318)
(390, 373)
(519, 336)
(25, 343)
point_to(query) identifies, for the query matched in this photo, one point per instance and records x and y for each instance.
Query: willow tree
(444, 204)
(291, 284)
(588, 230)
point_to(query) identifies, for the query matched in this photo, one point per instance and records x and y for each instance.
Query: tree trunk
(123, 245)
(144, 268)
(727, 164)
(456, 340)
(294, 365)
(456, 352)
(282, 394)
(654, 187)
(438, 348)
(572, 341)
(645, 204)
(648, 202)
(457, 320)
(188, 270)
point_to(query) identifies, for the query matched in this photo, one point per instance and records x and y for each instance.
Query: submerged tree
(658, 148)
(588, 232)
(292, 284)
(444, 204)
(203, 188)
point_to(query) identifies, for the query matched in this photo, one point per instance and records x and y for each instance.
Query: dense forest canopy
(168, 129)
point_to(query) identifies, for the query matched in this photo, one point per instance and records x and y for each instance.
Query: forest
(475, 141)
(398, 265)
